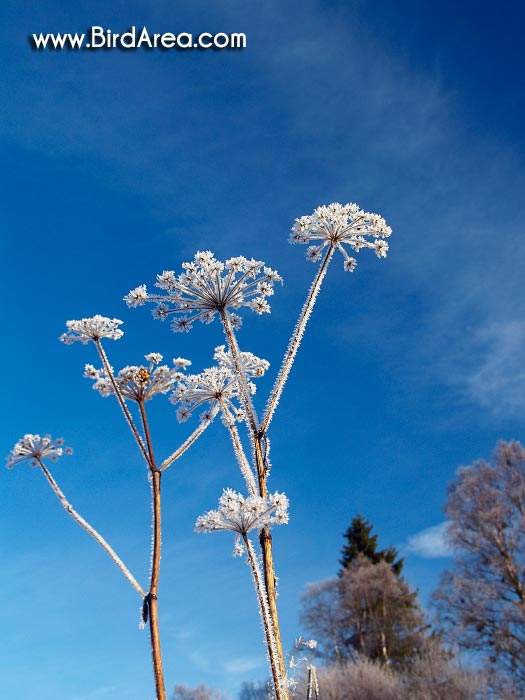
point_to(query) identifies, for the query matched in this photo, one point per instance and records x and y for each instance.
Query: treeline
(375, 641)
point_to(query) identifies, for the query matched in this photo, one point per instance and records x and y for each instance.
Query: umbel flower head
(240, 514)
(251, 365)
(93, 328)
(208, 286)
(338, 225)
(217, 385)
(139, 383)
(34, 448)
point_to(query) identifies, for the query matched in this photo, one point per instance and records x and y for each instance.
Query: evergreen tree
(361, 541)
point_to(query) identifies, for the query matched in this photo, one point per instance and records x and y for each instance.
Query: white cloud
(430, 543)
(242, 665)
(498, 380)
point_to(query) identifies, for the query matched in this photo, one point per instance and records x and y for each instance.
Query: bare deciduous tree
(360, 679)
(437, 676)
(321, 615)
(368, 610)
(481, 601)
(201, 692)
(381, 617)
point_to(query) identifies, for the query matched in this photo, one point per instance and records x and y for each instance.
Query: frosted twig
(190, 440)
(88, 528)
(280, 685)
(251, 415)
(122, 403)
(244, 465)
(295, 340)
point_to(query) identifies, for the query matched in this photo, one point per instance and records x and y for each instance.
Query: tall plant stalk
(152, 600)
(258, 436)
(152, 597)
(280, 687)
(265, 539)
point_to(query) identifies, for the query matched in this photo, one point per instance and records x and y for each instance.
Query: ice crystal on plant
(207, 286)
(34, 448)
(338, 225)
(93, 328)
(252, 365)
(217, 385)
(240, 514)
(139, 383)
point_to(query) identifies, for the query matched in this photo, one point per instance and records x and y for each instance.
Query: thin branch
(244, 465)
(312, 691)
(145, 426)
(279, 680)
(122, 403)
(154, 585)
(295, 340)
(83, 523)
(188, 442)
(251, 415)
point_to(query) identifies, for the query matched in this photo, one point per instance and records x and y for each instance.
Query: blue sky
(118, 165)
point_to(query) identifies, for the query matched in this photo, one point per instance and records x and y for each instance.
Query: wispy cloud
(242, 665)
(430, 543)
(498, 381)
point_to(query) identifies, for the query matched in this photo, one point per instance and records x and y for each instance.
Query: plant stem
(152, 599)
(91, 530)
(295, 340)
(188, 442)
(122, 402)
(242, 460)
(278, 664)
(253, 421)
(312, 691)
(270, 580)
(281, 691)
(153, 588)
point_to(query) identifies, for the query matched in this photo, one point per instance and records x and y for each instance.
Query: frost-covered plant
(35, 450)
(136, 385)
(207, 288)
(240, 515)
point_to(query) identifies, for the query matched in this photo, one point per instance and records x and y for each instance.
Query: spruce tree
(360, 540)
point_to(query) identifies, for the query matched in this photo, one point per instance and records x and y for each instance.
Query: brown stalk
(265, 537)
(121, 401)
(151, 600)
(281, 692)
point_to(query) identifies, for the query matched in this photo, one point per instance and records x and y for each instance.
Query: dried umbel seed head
(94, 328)
(240, 514)
(139, 383)
(338, 225)
(143, 376)
(206, 287)
(34, 448)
